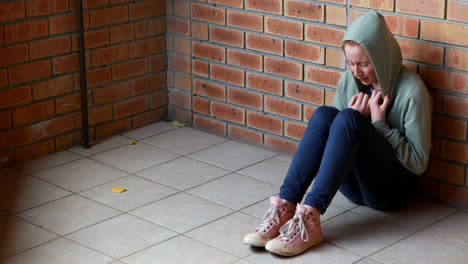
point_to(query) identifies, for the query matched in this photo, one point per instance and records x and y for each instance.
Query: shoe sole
(256, 241)
(289, 252)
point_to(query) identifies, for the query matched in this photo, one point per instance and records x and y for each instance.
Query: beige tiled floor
(191, 197)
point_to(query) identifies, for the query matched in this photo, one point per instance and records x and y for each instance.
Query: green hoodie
(407, 125)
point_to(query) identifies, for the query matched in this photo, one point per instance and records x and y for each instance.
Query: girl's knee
(324, 113)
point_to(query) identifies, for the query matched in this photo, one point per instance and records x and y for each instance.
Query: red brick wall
(39, 72)
(255, 70)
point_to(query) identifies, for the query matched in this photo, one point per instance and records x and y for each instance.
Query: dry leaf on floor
(118, 189)
(177, 123)
(132, 143)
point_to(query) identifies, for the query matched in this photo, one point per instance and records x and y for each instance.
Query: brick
(16, 137)
(158, 62)
(169, 9)
(96, 38)
(91, 3)
(456, 59)
(308, 112)
(201, 105)
(3, 77)
(148, 83)
(264, 44)
(131, 106)
(67, 63)
(445, 171)
(49, 47)
(336, 15)
(459, 82)
(245, 135)
(67, 141)
(245, 60)
(457, 10)
(431, 8)
(150, 117)
(285, 68)
(304, 93)
(30, 71)
(34, 151)
(199, 31)
(107, 16)
(12, 11)
(147, 47)
(455, 105)
(211, 125)
(98, 76)
(245, 20)
(329, 96)
(386, 5)
(436, 101)
(209, 89)
(283, 27)
(228, 112)
(450, 81)
(226, 36)
(127, 32)
(334, 58)
(52, 87)
(146, 9)
(15, 96)
(280, 144)
(182, 46)
(110, 54)
(183, 82)
(444, 32)
(66, 23)
(454, 195)
(267, 6)
(403, 26)
(68, 103)
(129, 69)
(449, 127)
(208, 52)
(264, 122)
(264, 83)
(322, 76)
(178, 26)
(180, 99)
(232, 3)
(305, 52)
(5, 119)
(159, 98)
(283, 107)
(245, 98)
(227, 74)
(111, 93)
(324, 35)
(183, 8)
(304, 10)
(170, 78)
(179, 63)
(7, 159)
(13, 54)
(169, 43)
(421, 52)
(294, 130)
(45, 7)
(54, 127)
(157, 26)
(201, 68)
(26, 30)
(2, 39)
(33, 112)
(113, 128)
(208, 14)
(454, 151)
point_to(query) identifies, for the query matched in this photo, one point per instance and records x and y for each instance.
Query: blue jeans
(343, 150)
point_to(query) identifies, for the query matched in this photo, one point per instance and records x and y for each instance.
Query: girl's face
(360, 65)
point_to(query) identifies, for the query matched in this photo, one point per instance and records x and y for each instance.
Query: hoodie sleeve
(339, 101)
(412, 146)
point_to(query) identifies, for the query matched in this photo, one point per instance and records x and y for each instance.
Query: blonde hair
(349, 42)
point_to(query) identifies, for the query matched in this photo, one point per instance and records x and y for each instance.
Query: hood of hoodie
(372, 33)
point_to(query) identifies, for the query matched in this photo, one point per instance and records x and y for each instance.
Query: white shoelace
(291, 228)
(270, 215)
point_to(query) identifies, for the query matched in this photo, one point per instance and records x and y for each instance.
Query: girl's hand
(378, 110)
(360, 102)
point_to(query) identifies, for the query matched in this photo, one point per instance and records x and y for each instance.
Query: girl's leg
(308, 155)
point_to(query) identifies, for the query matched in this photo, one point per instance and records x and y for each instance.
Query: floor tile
(48, 161)
(53, 253)
(419, 249)
(18, 235)
(80, 174)
(133, 158)
(170, 252)
(183, 173)
(181, 212)
(235, 191)
(361, 234)
(271, 170)
(68, 214)
(453, 229)
(343, 202)
(368, 261)
(233, 155)
(27, 192)
(184, 140)
(417, 214)
(243, 261)
(258, 210)
(331, 212)
(100, 146)
(227, 233)
(139, 192)
(150, 130)
(121, 236)
(323, 253)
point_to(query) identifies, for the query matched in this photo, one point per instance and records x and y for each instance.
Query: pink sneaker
(298, 234)
(278, 214)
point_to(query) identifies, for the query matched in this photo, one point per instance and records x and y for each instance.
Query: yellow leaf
(132, 143)
(177, 123)
(118, 189)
